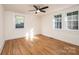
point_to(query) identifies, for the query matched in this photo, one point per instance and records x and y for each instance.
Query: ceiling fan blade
(31, 10)
(35, 7)
(44, 7)
(42, 11)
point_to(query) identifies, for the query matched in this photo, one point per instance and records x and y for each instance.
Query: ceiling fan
(38, 9)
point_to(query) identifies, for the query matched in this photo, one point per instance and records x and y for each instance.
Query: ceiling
(24, 8)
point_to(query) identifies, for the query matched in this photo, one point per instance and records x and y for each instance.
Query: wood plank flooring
(40, 45)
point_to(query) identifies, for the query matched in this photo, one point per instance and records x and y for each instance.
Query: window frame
(59, 21)
(14, 17)
(66, 21)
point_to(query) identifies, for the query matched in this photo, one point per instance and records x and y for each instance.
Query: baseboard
(62, 41)
(22, 37)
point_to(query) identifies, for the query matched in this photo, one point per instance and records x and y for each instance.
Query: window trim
(66, 21)
(57, 21)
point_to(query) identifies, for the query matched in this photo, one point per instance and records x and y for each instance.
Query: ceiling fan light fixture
(38, 10)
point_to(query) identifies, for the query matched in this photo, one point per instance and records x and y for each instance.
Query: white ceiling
(24, 8)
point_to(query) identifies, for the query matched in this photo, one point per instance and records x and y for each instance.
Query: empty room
(39, 29)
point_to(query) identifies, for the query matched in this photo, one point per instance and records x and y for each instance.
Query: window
(72, 20)
(19, 21)
(58, 21)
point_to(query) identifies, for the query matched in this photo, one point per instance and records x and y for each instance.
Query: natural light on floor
(30, 35)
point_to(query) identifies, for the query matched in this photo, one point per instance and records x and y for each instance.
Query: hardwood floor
(40, 45)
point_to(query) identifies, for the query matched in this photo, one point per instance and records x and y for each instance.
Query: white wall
(30, 22)
(64, 34)
(42, 25)
(1, 28)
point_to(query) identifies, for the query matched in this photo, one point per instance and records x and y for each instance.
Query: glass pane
(59, 24)
(69, 14)
(57, 20)
(75, 27)
(69, 27)
(60, 20)
(75, 23)
(69, 18)
(69, 23)
(75, 17)
(75, 13)
(55, 24)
